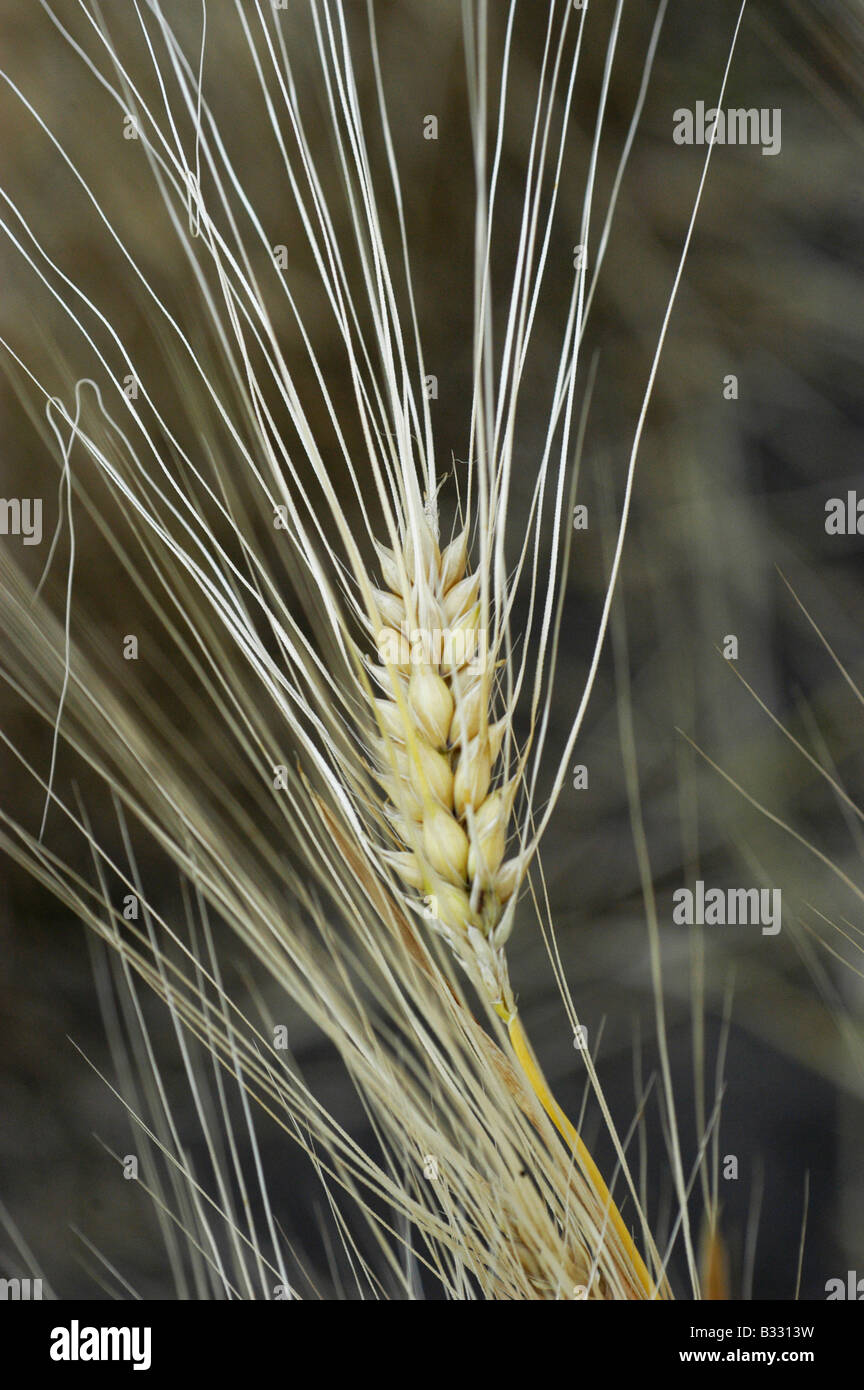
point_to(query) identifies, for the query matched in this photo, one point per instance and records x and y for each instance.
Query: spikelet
(437, 752)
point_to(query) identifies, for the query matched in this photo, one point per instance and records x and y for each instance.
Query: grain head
(438, 752)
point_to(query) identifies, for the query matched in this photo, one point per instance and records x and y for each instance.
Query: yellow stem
(540, 1087)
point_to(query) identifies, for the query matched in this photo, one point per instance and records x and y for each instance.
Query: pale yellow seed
(471, 700)
(407, 867)
(506, 880)
(461, 598)
(391, 608)
(485, 855)
(473, 776)
(464, 638)
(427, 770)
(431, 701)
(430, 614)
(490, 838)
(429, 554)
(452, 906)
(389, 569)
(445, 844)
(390, 719)
(404, 798)
(453, 560)
(506, 795)
(496, 738)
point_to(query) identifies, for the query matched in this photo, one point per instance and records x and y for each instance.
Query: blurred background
(727, 528)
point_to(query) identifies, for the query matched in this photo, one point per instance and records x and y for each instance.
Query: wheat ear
(449, 804)
(438, 749)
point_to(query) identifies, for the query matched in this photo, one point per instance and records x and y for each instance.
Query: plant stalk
(539, 1085)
